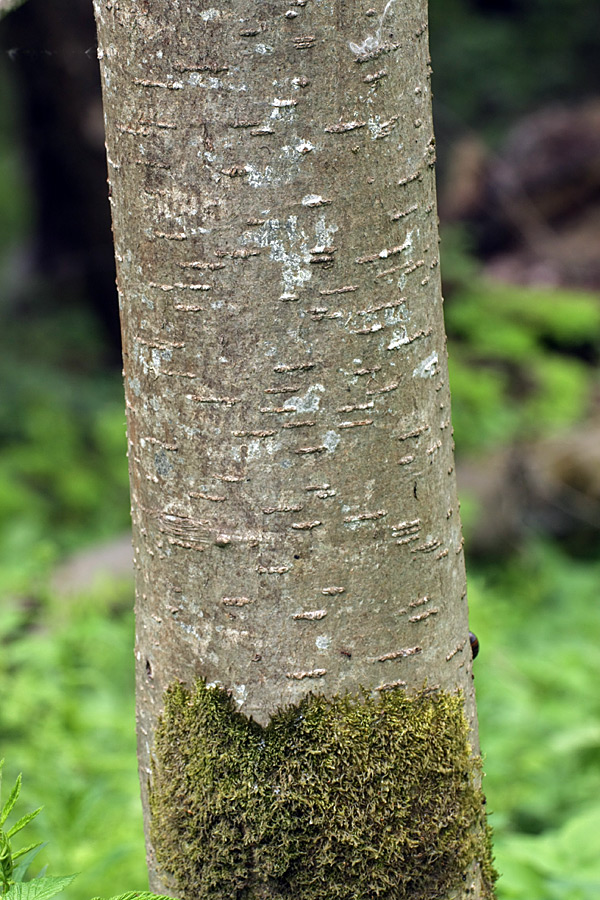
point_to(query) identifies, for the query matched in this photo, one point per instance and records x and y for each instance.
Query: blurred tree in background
(50, 50)
(517, 88)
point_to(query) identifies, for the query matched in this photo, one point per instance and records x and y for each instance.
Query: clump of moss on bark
(334, 799)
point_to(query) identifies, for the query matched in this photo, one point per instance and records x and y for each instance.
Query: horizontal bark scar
(365, 517)
(236, 601)
(313, 673)
(311, 614)
(399, 654)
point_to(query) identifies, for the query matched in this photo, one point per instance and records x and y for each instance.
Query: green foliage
(493, 66)
(11, 876)
(515, 359)
(42, 888)
(13, 882)
(68, 716)
(537, 682)
(63, 470)
(526, 316)
(334, 798)
(8, 872)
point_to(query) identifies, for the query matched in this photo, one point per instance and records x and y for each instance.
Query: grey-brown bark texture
(294, 509)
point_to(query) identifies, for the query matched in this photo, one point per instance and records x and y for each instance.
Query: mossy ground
(335, 799)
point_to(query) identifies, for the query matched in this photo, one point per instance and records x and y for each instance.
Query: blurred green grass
(537, 682)
(67, 721)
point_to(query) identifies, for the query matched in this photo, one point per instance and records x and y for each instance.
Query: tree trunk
(294, 508)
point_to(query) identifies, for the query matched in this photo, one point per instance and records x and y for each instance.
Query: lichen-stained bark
(294, 509)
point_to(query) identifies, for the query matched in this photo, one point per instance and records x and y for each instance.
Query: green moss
(334, 799)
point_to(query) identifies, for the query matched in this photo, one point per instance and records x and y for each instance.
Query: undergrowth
(16, 882)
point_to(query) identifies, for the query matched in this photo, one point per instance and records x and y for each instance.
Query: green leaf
(23, 821)
(25, 850)
(27, 856)
(6, 863)
(39, 888)
(14, 795)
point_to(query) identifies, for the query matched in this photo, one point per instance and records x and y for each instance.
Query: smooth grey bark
(293, 495)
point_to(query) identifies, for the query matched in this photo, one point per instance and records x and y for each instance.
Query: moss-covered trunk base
(336, 798)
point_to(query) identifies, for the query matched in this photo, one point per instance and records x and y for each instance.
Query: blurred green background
(517, 88)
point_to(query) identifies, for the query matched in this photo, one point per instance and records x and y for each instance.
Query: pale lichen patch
(428, 367)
